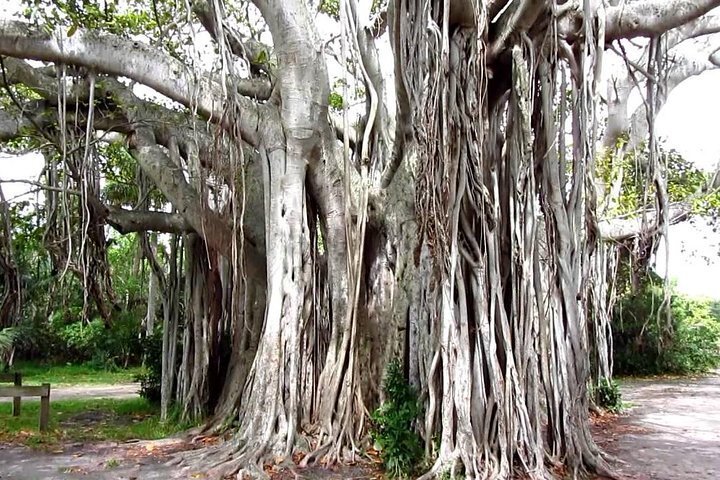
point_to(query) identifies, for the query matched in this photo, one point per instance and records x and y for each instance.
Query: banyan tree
(343, 184)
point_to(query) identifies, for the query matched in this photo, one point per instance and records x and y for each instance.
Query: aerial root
(316, 454)
(444, 463)
(221, 461)
(602, 468)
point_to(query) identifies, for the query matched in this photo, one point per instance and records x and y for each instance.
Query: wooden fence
(17, 391)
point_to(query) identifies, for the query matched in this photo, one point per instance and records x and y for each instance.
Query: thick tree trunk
(501, 331)
(270, 400)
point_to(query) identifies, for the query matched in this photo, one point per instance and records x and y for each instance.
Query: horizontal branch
(129, 221)
(648, 18)
(623, 229)
(705, 25)
(121, 57)
(170, 180)
(189, 133)
(42, 186)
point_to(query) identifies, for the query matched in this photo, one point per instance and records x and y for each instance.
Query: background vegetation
(657, 332)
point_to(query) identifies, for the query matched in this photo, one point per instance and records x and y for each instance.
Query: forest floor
(669, 431)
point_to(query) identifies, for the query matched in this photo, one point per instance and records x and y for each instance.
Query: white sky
(688, 122)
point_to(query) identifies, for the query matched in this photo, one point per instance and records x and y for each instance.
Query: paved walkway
(671, 431)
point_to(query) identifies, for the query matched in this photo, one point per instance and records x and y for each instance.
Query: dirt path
(670, 432)
(119, 391)
(100, 461)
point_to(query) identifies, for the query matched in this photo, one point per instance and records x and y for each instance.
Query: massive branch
(623, 229)
(129, 221)
(117, 56)
(170, 180)
(145, 133)
(648, 18)
(250, 50)
(683, 65)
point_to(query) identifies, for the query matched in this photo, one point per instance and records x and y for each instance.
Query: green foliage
(646, 344)
(685, 182)
(393, 431)
(336, 101)
(127, 284)
(128, 19)
(330, 8)
(51, 326)
(7, 339)
(152, 375)
(27, 236)
(121, 185)
(450, 475)
(607, 395)
(696, 344)
(82, 339)
(122, 345)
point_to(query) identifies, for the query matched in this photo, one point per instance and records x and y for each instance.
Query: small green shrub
(393, 430)
(121, 346)
(84, 339)
(607, 395)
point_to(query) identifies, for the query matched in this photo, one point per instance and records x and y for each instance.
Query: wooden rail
(16, 379)
(17, 391)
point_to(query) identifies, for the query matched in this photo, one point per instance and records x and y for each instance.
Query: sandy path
(119, 391)
(671, 431)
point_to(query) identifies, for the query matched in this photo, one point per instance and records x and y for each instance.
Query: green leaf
(262, 57)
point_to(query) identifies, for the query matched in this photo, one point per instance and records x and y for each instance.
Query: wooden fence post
(45, 408)
(16, 400)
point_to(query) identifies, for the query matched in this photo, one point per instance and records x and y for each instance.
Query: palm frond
(7, 339)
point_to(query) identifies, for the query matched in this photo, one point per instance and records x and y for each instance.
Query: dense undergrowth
(655, 335)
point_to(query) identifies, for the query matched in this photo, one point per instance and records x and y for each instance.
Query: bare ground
(670, 432)
(85, 392)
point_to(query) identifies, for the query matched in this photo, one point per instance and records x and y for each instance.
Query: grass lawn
(70, 374)
(85, 420)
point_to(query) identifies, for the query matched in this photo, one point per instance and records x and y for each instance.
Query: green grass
(70, 374)
(85, 420)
